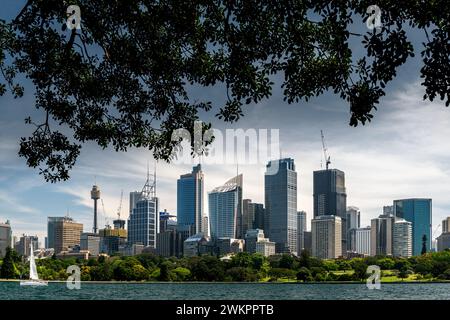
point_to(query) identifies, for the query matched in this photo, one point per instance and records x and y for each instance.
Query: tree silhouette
(8, 270)
(124, 78)
(424, 244)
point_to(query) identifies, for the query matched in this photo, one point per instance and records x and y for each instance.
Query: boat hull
(32, 283)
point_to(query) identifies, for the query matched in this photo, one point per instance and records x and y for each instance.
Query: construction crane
(435, 230)
(327, 157)
(119, 210)
(104, 213)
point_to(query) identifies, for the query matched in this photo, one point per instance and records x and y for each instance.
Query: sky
(403, 153)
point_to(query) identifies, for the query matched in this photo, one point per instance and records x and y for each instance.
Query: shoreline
(235, 282)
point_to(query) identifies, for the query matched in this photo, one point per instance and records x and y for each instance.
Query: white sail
(33, 270)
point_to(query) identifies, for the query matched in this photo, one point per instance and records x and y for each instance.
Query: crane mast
(119, 210)
(325, 154)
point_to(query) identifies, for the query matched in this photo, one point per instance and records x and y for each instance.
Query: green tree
(360, 270)
(242, 259)
(305, 259)
(165, 273)
(404, 272)
(8, 269)
(287, 261)
(304, 275)
(123, 79)
(182, 274)
(242, 274)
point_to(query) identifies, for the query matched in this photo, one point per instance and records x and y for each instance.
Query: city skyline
(400, 154)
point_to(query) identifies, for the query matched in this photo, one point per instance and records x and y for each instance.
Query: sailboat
(34, 278)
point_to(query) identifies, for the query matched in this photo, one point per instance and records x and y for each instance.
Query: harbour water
(225, 291)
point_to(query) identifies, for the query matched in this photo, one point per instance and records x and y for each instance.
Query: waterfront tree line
(242, 267)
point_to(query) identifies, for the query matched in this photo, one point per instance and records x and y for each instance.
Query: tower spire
(149, 189)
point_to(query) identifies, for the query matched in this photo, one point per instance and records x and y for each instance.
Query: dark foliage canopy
(123, 79)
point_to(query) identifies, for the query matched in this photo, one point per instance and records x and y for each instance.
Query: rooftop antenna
(327, 157)
(149, 189)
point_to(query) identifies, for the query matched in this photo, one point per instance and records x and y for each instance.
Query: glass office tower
(225, 208)
(330, 198)
(418, 211)
(280, 184)
(190, 201)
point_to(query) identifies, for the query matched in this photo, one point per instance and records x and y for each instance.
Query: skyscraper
(326, 237)
(443, 241)
(330, 198)
(353, 223)
(5, 238)
(446, 225)
(362, 241)
(381, 235)
(190, 189)
(90, 242)
(418, 212)
(301, 228)
(134, 198)
(225, 208)
(23, 248)
(260, 215)
(143, 223)
(63, 233)
(280, 186)
(402, 238)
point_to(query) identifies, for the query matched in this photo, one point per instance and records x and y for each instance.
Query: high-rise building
(362, 241)
(134, 198)
(5, 237)
(252, 216)
(252, 236)
(381, 235)
(446, 225)
(190, 190)
(443, 241)
(164, 219)
(402, 238)
(266, 248)
(301, 228)
(419, 212)
(225, 208)
(63, 233)
(205, 225)
(260, 215)
(143, 223)
(388, 210)
(307, 235)
(51, 225)
(193, 244)
(326, 237)
(23, 247)
(112, 239)
(170, 242)
(226, 246)
(248, 217)
(280, 186)
(353, 223)
(90, 242)
(330, 198)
